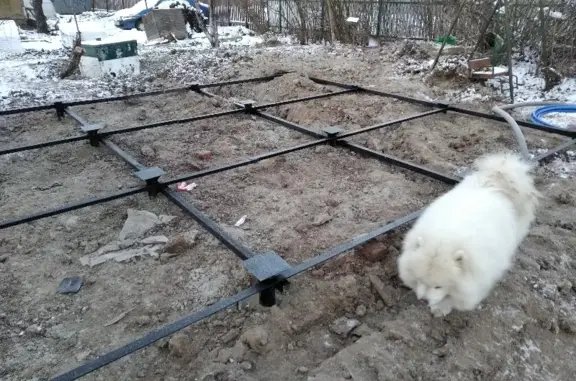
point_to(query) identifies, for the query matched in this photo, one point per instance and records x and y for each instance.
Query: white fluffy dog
(464, 242)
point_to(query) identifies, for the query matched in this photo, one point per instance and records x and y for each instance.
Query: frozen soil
(330, 324)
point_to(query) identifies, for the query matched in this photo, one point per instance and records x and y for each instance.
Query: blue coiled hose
(539, 113)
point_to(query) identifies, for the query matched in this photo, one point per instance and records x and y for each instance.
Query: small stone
(256, 339)
(205, 155)
(246, 365)
(71, 223)
(362, 330)
(528, 263)
(34, 329)
(142, 320)
(302, 370)
(224, 355)
(379, 305)
(322, 219)
(361, 310)
(3, 258)
(238, 351)
(346, 375)
(568, 325)
(565, 287)
(230, 336)
(147, 151)
(182, 242)
(564, 198)
(440, 352)
(83, 355)
(343, 326)
(179, 344)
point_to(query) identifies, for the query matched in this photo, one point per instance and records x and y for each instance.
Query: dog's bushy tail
(509, 174)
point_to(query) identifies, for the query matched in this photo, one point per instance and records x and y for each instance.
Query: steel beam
(552, 130)
(140, 95)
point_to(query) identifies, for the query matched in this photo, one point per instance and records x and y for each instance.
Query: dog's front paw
(441, 309)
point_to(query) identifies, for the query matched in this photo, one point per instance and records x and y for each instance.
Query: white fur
(464, 242)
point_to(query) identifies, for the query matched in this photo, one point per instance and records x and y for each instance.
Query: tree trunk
(41, 23)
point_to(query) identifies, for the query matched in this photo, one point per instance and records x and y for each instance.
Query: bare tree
(41, 24)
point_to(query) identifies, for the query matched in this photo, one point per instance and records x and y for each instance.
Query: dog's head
(432, 269)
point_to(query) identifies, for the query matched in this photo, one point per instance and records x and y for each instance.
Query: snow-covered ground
(32, 77)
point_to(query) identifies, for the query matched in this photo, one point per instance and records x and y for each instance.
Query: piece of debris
(361, 310)
(205, 155)
(138, 223)
(185, 187)
(154, 240)
(70, 285)
(302, 370)
(119, 317)
(241, 221)
(568, 324)
(343, 326)
(121, 255)
(380, 289)
(182, 242)
(230, 336)
(322, 219)
(246, 365)
(256, 339)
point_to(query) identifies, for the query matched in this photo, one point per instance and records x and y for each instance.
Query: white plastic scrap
(241, 221)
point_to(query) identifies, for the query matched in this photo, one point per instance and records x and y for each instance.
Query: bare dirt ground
(331, 324)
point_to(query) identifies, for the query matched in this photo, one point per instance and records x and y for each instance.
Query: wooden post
(280, 14)
(378, 26)
(509, 42)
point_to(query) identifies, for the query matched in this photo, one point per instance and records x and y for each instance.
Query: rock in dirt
(147, 151)
(256, 339)
(179, 344)
(362, 330)
(321, 219)
(230, 336)
(246, 365)
(205, 155)
(182, 242)
(302, 370)
(71, 223)
(138, 223)
(361, 310)
(343, 326)
(565, 287)
(568, 324)
(370, 358)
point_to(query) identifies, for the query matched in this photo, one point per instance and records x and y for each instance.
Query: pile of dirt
(412, 49)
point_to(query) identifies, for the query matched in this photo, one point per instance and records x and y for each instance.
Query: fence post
(322, 21)
(228, 12)
(380, 3)
(280, 14)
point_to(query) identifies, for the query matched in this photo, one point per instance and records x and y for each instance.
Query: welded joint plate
(150, 174)
(265, 266)
(332, 131)
(246, 104)
(91, 127)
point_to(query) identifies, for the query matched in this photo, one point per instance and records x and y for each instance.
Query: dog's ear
(460, 258)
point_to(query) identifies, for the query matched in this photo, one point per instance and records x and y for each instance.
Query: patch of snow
(560, 119)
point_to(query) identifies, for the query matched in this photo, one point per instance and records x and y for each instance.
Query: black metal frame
(277, 279)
